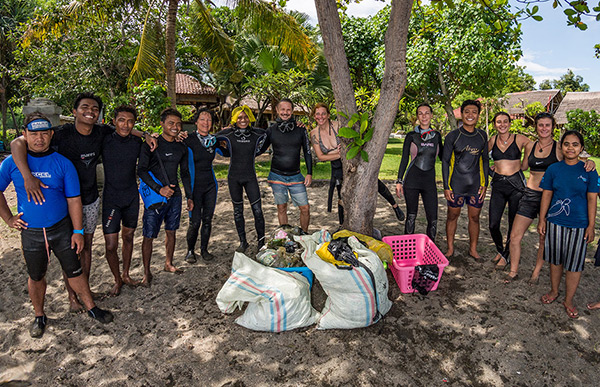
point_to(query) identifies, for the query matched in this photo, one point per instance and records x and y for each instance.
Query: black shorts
(529, 205)
(37, 253)
(114, 214)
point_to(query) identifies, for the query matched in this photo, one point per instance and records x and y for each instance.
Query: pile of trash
(281, 250)
(352, 276)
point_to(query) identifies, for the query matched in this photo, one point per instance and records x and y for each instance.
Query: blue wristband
(78, 231)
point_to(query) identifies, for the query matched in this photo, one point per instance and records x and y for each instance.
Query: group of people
(561, 190)
(53, 170)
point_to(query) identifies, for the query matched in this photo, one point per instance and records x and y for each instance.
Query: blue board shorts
(170, 214)
(294, 184)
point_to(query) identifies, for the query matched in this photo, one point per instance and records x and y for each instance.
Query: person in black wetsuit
(508, 182)
(243, 143)
(465, 165)
(326, 145)
(423, 145)
(202, 147)
(81, 143)
(120, 199)
(174, 156)
(287, 139)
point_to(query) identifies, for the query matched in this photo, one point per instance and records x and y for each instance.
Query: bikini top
(324, 149)
(540, 165)
(511, 153)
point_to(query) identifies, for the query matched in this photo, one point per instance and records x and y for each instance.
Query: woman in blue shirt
(567, 218)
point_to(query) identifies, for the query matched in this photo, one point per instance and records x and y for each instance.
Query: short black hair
(286, 100)
(574, 133)
(424, 104)
(169, 112)
(125, 108)
(87, 95)
(502, 114)
(204, 110)
(470, 102)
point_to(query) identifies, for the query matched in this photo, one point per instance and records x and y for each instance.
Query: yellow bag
(383, 250)
(326, 256)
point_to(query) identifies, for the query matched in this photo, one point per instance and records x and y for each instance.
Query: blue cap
(38, 125)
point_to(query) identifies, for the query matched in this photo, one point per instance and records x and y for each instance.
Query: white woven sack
(277, 300)
(351, 301)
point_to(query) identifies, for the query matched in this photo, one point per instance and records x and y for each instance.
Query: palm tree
(270, 22)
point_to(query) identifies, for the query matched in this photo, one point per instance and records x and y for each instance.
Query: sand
(474, 330)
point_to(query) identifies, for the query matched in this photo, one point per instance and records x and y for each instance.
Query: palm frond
(210, 38)
(148, 63)
(277, 28)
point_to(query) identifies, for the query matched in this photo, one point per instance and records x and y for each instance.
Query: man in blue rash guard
(48, 226)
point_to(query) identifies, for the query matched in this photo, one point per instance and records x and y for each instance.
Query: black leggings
(236, 190)
(205, 200)
(430, 202)
(385, 192)
(505, 189)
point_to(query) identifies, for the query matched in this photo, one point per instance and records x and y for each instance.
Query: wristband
(78, 231)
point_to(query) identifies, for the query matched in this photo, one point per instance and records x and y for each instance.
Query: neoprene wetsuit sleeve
(485, 159)
(184, 172)
(404, 159)
(223, 150)
(144, 168)
(441, 148)
(447, 156)
(266, 144)
(307, 154)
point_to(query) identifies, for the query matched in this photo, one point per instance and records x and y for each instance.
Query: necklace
(541, 147)
(504, 141)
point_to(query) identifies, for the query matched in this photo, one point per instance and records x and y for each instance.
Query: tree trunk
(446, 98)
(3, 107)
(359, 192)
(170, 33)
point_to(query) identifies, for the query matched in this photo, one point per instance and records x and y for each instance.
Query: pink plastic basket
(410, 251)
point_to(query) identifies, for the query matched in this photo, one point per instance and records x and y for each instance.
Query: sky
(550, 47)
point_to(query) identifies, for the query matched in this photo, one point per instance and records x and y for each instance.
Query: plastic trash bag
(277, 300)
(353, 300)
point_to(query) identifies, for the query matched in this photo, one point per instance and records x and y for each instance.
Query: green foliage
(588, 124)
(150, 99)
(567, 82)
(358, 139)
(468, 47)
(518, 80)
(96, 54)
(364, 45)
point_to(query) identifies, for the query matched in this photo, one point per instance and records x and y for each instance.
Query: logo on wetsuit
(471, 150)
(429, 144)
(86, 158)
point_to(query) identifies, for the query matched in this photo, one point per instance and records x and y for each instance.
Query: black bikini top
(511, 153)
(540, 165)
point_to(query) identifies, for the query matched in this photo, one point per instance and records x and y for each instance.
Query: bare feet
(533, 280)
(172, 269)
(475, 255)
(449, 253)
(129, 282)
(511, 276)
(75, 306)
(593, 306)
(497, 257)
(571, 311)
(549, 298)
(116, 289)
(501, 263)
(146, 281)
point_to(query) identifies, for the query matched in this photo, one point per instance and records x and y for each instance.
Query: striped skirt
(565, 246)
